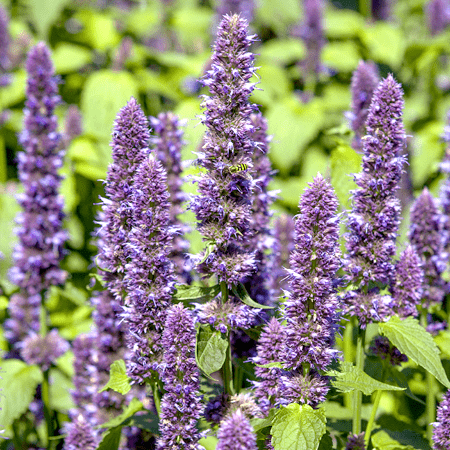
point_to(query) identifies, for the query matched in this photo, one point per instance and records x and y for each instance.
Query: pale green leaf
(199, 293)
(118, 378)
(382, 441)
(43, 13)
(282, 51)
(15, 91)
(70, 57)
(242, 293)
(342, 23)
(211, 349)
(298, 427)
(18, 383)
(351, 378)
(342, 56)
(133, 407)
(416, 343)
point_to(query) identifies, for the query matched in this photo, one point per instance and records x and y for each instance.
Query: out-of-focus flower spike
(438, 16)
(5, 41)
(73, 126)
(235, 432)
(441, 432)
(81, 435)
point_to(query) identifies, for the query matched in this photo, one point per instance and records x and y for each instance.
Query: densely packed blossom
(40, 249)
(73, 125)
(81, 435)
(167, 142)
(425, 235)
(444, 199)
(374, 219)
(4, 48)
(407, 284)
(438, 15)
(149, 274)
(223, 206)
(129, 147)
(355, 442)
(269, 351)
(236, 433)
(311, 309)
(180, 405)
(365, 79)
(441, 432)
(43, 350)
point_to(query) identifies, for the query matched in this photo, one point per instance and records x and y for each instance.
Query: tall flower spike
(236, 433)
(438, 16)
(223, 206)
(80, 435)
(180, 405)
(444, 197)
(167, 142)
(365, 79)
(407, 284)
(425, 234)
(441, 432)
(374, 219)
(38, 254)
(269, 350)
(149, 274)
(73, 124)
(5, 41)
(381, 9)
(245, 8)
(129, 147)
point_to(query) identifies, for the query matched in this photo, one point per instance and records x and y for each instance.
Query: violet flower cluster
(438, 16)
(444, 196)
(223, 206)
(149, 274)
(425, 235)
(441, 432)
(245, 8)
(73, 126)
(181, 404)
(81, 435)
(167, 142)
(5, 41)
(40, 249)
(374, 220)
(365, 79)
(235, 432)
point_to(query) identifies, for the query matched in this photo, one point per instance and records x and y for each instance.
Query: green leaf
(242, 293)
(134, 406)
(70, 57)
(110, 439)
(351, 378)
(18, 384)
(298, 427)
(209, 443)
(342, 56)
(99, 29)
(148, 422)
(43, 13)
(211, 349)
(186, 293)
(342, 23)
(416, 343)
(14, 92)
(118, 378)
(60, 391)
(344, 162)
(443, 342)
(282, 51)
(104, 94)
(382, 441)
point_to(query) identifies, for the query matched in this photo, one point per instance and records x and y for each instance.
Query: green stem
(347, 347)
(365, 8)
(227, 369)
(373, 414)
(3, 163)
(15, 438)
(45, 393)
(357, 395)
(156, 397)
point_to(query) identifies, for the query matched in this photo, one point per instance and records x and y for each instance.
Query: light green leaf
(60, 391)
(298, 427)
(110, 439)
(342, 56)
(211, 349)
(209, 443)
(18, 384)
(43, 13)
(104, 94)
(443, 342)
(8, 211)
(342, 23)
(118, 378)
(14, 92)
(70, 57)
(242, 293)
(186, 293)
(416, 343)
(134, 406)
(382, 441)
(282, 51)
(351, 378)
(99, 29)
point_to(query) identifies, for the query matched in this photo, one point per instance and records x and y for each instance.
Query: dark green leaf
(118, 378)
(119, 421)
(211, 349)
(416, 343)
(191, 293)
(351, 378)
(298, 427)
(148, 422)
(242, 293)
(110, 439)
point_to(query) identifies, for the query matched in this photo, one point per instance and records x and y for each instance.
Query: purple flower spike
(245, 8)
(444, 194)
(365, 79)
(236, 433)
(167, 142)
(374, 220)
(311, 309)
(43, 350)
(407, 285)
(40, 249)
(5, 41)
(441, 432)
(425, 234)
(270, 350)
(355, 442)
(385, 350)
(129, 147)
(223, 206)
(180, 405)
(73, 126)
(149, 274)
(438, 16)
(80, 436)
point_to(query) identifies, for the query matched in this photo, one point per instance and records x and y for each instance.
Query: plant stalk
(45, 394)
(348, 349)
(357, 395)
(156, 397)
(373, 413)
(227, 369)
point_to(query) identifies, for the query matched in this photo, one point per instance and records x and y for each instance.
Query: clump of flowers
(81, 436)
(441, 432)
(235, 432)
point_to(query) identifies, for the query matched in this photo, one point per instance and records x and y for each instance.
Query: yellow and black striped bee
(238, 168)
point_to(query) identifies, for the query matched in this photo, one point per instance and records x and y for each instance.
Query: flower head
(5, 40)
(73, 126)
(355, 442)
(81, 435)
(180, 405)
(385, 350)
(223, 206)
(441, 432)
(438, 16)
(236, 433)
(374, 220)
